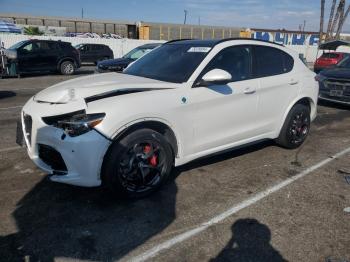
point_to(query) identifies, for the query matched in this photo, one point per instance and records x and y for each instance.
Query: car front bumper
(71, 160)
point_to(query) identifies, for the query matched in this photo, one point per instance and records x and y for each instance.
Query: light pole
(185, 11)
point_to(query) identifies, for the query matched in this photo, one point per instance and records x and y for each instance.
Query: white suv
(184, 100)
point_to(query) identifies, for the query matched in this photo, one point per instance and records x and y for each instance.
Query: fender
(298, 98)
(124, 127)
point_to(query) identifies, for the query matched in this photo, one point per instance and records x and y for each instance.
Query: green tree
(32, 31)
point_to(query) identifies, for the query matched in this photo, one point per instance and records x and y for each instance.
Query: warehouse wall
(122, 46)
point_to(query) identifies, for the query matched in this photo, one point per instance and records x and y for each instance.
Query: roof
(213, 42)
(151, 45)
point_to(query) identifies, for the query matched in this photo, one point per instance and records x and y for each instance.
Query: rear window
(271, 61)
(330, 55)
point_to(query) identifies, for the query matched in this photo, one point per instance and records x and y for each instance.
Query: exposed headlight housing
(76, 123)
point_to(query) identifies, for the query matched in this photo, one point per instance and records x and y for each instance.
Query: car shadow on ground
(250, 242)
(7, 94)
(56, 220)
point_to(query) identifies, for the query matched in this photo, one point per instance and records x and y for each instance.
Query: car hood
(337, 72)
(115, 62)
(84, 87)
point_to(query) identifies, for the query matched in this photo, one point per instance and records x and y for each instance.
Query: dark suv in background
(92, 53)
(45, 56)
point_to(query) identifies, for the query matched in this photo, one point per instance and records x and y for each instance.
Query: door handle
(293, 82)
(249, 91)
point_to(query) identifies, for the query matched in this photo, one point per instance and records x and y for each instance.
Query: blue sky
(244, 13)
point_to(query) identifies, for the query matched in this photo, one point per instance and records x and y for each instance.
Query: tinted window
(330, 55)
(170, 62)
(235, 60)
(271, 61)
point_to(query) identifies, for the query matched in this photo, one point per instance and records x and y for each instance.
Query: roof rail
(177, 40)
(227, 39)
(250, 39)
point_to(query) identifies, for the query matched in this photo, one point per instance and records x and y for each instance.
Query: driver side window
(237, 60)
(30, 48)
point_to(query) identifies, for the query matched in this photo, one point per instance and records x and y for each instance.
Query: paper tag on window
(199, 49)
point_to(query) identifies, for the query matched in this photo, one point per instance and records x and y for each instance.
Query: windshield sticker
(199, 49)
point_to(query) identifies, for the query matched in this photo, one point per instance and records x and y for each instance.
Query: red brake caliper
(153, 159)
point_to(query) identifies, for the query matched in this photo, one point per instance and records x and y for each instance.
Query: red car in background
(327, 60)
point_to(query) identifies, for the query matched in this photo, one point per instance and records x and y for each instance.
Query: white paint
(246, 203)
(200, 125)
(9, 149)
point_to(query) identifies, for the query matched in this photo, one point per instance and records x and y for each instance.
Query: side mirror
(216, 77)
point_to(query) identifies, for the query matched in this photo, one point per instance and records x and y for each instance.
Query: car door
(225, 114)
(29, 58)
(49, 53)
(279, 85)
(84, 53)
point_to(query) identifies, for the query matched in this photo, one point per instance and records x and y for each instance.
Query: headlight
(76, 124)
(320, 78)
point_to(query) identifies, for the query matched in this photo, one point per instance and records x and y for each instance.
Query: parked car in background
(335, 83)
(185, 100)
(93, 53)
(119, 64)
(46, 56)
(327, 60)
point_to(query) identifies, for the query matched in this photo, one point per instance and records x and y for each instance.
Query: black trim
(51, 120)
(119, 93)
(225, 40)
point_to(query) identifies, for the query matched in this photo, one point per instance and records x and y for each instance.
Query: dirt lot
(261, 203)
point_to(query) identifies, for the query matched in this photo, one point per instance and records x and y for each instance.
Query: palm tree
(32, 31)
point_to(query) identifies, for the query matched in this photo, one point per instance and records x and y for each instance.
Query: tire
(67, 68)
(138, 164)
(295, 128)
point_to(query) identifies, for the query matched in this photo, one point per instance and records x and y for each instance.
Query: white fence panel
(119, 46)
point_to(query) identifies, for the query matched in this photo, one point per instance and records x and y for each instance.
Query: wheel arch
(307, 101)
(154, 124)
(61, 60)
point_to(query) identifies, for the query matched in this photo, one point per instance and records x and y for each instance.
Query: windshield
(17, 45)
(171, 62)
(137, 53)
(345, 63)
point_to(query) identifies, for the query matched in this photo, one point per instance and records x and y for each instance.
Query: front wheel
(295, 128)
(138, 164)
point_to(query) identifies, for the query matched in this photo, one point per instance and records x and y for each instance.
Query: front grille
(340, 85)
(27, 119)
(52, 158)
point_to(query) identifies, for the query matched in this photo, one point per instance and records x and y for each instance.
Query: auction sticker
(199, 49)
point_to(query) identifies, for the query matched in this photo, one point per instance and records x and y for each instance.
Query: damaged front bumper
(71, 160)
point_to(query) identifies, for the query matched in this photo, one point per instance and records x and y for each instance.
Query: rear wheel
(138, 164)
(296, 127)
(67, 68)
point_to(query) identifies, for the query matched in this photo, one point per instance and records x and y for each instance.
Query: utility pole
(321, 20)
(341, 23)
(82, 13)
(338, 17)
(199, 20)
(330, 21)
(185, 11)
(304, 24)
